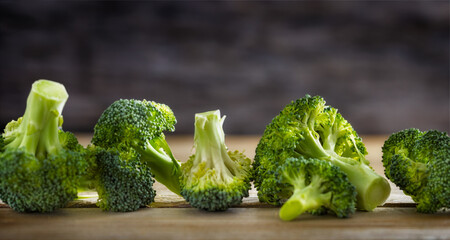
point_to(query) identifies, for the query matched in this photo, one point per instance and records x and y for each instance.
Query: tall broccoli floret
(419, 164)
(313, 185)
(137, 126)
(40, 165)
(308, 127)
(214, 178)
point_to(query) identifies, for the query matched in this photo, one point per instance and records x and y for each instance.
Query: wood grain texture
(236, 223)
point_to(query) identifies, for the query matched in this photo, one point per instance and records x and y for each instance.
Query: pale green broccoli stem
(210, 148)
(373, 189)
(38, 130)
(310, 145)
(304, 198)
(165, 168)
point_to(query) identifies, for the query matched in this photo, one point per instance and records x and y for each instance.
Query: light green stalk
(38, 129)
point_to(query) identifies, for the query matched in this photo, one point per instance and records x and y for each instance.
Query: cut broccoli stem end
(303, 200)
(41, 120)
(372, 189)
(164, 167)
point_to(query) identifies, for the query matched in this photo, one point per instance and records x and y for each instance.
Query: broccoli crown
(419, 164)
(123, 183)
(32, 185)
(40, 165)
(308, 127)
(132, 122)
(313, 185)
(139, 125)
(214, 178)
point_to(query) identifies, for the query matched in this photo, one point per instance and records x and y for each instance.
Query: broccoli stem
(304, 199)
(372, 188)
(310, 146)
(39, 127)
(210, 148)
(165, 168)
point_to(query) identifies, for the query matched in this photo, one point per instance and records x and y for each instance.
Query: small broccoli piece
(308, 127)
(40, 165)
(138, 126)
(313, 185)
(123, 183)
(214, 178)
(69, 141)
(419, 164)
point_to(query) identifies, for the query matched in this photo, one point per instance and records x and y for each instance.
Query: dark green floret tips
(419, 164)
(214, 178)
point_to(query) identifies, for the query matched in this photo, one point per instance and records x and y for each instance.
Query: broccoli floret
(313, 185)
(214, 178)
(419, 164)
(123, 183)
(137, 126)
(69, 141)
(308, 127)
(40, 165)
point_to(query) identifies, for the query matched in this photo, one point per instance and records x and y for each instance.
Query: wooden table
(170, 217)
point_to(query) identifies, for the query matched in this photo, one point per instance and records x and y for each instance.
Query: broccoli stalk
(316, 186)
(37, 131)
(320, 142)
(210, 148)
(165, 168)
(37, 154)
(214, 178)
(372, 188)
(304, 197)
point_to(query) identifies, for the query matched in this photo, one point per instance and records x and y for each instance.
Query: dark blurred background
(383, 64)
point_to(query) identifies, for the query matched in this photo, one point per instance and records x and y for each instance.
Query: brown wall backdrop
(383, 64)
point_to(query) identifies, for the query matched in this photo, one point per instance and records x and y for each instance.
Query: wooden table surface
(170, 217)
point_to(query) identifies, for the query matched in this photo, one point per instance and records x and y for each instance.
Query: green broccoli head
(214, 178)
(308, 127)
(402, 141)
(45, 185)
(35, 156)
(139, 125)
(168, 115)
(313, 185)
(132, 123)
(123, 183)
(419, 164)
